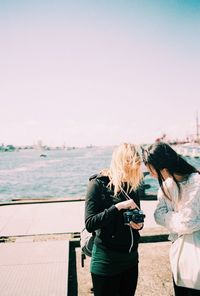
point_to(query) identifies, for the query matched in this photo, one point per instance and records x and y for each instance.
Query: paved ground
(57, 218)
(54, 217)
(34, 268)
(154, 275)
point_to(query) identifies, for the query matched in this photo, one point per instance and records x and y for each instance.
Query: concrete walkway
(57, 217)
(41, 218)
(34, 268)
(41, 268)
(154, 271)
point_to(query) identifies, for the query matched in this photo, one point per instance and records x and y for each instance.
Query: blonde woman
(114, 262)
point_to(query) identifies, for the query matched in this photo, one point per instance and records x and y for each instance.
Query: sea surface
(61, 174)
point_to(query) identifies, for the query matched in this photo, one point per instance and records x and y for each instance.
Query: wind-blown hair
(162, 156)
(125, 167)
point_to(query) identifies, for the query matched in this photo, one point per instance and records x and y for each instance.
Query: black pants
(182, 291)
(123, 284)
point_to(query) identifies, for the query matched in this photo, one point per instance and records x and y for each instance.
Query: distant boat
(43, 155)
(188, 150)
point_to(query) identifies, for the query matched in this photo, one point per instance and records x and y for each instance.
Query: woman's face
(164, 172)
(152, 171)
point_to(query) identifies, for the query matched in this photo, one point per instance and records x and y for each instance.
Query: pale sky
(98, 72)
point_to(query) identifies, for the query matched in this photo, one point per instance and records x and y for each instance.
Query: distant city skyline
(81, 73)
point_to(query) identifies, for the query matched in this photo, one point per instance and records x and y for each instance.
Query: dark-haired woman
(178, 208)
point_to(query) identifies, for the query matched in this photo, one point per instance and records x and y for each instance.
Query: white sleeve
(187, 218)
(161, 209)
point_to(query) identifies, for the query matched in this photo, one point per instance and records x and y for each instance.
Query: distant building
(9, 148)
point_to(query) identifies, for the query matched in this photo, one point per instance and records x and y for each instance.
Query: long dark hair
(160, 156)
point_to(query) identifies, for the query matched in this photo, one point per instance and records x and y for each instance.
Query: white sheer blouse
(181, 214)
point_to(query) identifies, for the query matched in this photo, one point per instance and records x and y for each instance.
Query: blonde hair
(125, 168)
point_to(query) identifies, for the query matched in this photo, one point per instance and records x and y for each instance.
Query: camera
(135, 215)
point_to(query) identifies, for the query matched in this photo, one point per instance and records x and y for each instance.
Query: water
(63, 173)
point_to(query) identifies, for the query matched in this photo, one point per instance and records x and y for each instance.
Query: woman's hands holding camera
(129, 205)
(137, 226)
(126, 205)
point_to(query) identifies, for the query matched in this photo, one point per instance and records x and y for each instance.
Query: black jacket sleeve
(96, 215)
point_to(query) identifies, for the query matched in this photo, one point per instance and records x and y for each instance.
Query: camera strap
(124, 193)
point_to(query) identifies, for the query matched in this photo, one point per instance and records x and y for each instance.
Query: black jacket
(102, 217)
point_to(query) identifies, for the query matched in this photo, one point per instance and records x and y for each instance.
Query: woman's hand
(138, 226)
(126, 205)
